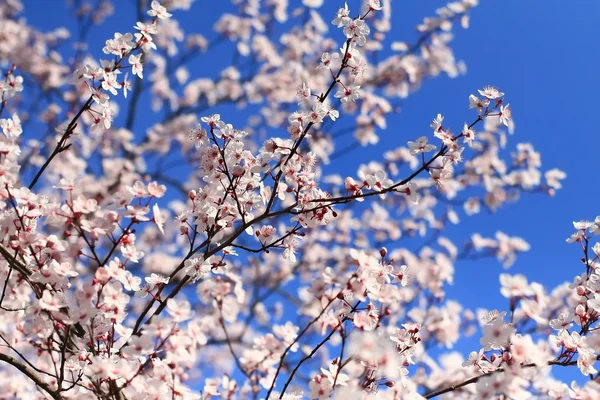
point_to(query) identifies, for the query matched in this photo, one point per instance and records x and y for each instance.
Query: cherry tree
(191, 258)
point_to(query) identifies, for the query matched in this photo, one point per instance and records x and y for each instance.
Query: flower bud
(383, 252)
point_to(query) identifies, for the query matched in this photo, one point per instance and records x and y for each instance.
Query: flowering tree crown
(255, 273)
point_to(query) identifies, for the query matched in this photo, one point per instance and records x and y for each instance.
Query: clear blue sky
(543, 54)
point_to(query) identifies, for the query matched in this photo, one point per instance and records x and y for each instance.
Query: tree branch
(36, 379)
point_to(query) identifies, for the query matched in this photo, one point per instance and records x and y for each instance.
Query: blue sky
(543, 54)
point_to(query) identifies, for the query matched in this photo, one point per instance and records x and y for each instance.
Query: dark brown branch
(36, 379)
(474, 379)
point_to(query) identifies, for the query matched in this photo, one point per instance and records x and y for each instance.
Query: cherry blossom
(158, 11)
(348, 94)
(375, 5)
(491, 93)
(420, 146)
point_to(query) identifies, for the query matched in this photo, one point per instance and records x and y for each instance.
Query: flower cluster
(104, 78)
